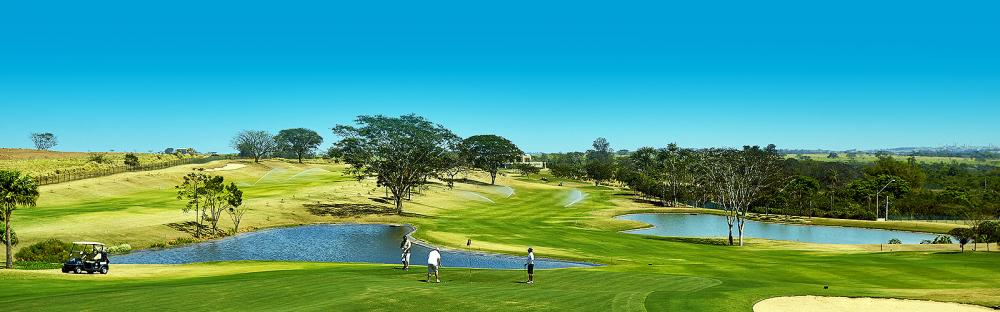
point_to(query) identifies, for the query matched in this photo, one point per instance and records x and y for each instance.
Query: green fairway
(639, 274)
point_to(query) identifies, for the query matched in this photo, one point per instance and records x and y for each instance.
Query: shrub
(48, 251)
(942, 239)
(131, 160)
(895, 241)
(99, 158)
(119, 249)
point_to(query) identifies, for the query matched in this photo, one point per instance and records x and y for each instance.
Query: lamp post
(886, 201)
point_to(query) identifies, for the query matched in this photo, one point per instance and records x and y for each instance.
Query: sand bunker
(842, 304)
(227, 167)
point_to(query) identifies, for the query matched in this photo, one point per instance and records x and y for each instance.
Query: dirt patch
(832, 304)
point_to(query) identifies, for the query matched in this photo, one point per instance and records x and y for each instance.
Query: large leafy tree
(568, 165)
(16, 190)
(254, 143)
(44, 141)
(489, 153)
(400, 151)
(600, 161)
(299, 141)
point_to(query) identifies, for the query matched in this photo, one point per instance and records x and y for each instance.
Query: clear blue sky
(549, 75)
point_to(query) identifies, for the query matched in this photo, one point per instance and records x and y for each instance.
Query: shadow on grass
(348, 209)
(691, 240)
(648, 201)
(469, 181)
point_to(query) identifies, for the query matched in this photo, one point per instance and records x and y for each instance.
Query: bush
(895, 241)
(48, 251)
(119, 249)
(942, 239)
(99, 158)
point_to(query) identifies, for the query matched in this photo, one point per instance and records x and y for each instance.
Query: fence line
(73, 176)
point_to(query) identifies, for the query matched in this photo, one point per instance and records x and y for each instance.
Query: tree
(986, 231)
(16, 190)
(909, 171)
(802, 189)
(235, 209)
(299, 141)
(568, 166)
(131, 160)
(526, 169)
(676, 164)
(490, 152)
(600, 161)
(741, 178)
(44, 141)
(451, 165)
(254, 143)
(215, 201)
(962, 235)
(400, 151)
(193, 191)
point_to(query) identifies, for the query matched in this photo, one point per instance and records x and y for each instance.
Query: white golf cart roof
(88, 243)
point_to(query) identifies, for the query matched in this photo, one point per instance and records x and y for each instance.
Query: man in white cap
(434, 265)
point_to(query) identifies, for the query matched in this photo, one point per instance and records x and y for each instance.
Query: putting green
(641, 273)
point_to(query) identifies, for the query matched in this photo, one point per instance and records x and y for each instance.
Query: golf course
(636, 272)
(453, 156)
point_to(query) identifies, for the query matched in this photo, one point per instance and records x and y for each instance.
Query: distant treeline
(805, 187)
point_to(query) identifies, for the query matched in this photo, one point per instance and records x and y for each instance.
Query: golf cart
(87, 256)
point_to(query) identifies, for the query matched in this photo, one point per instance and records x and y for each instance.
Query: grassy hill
(641, 273)
(41, 163)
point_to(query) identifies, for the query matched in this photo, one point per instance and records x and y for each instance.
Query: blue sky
(552, 76)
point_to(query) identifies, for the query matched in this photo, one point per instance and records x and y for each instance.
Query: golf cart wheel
(104, 270)
(77, 270)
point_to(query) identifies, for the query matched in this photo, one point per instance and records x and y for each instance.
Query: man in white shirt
(434, 265)
(405, 249)
(531, 265)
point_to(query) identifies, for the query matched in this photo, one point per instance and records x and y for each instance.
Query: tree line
(403, 152)
(761, 180)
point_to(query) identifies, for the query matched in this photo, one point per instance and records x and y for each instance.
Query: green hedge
(48, 251)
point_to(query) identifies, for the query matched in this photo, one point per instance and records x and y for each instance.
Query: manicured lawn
(640, 273)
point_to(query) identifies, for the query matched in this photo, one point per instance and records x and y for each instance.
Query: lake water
(705, 225)
(374, 243)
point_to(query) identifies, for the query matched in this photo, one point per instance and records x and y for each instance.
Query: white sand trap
(228, 167)
(842, 304)
(575, 196)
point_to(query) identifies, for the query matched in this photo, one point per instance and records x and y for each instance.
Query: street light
(886, 201)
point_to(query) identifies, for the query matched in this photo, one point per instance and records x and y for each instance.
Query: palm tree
(15, 190)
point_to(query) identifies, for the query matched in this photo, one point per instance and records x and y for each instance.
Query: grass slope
(641, 273)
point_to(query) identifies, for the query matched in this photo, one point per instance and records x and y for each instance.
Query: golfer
(404, 247)
(531, 266)
(434, 265)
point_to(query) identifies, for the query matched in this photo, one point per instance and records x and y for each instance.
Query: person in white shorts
(405, 249)
(434, 265)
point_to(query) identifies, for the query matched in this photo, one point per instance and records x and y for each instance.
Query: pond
(705, 225)
(374, 243)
